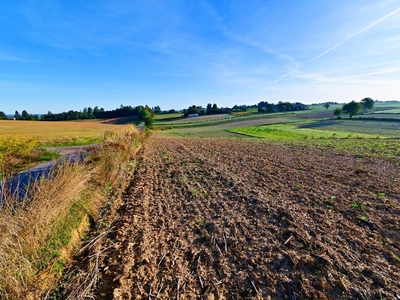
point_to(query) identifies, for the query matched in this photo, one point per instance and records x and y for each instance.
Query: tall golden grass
(39, 233)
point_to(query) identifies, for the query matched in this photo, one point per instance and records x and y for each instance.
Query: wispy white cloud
(363, 67)
(251, 37)
(352, 36)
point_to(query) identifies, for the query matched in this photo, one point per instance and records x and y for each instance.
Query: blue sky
(62, 55)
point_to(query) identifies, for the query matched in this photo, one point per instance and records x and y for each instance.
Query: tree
(262, 106)
(326, 105)
(337, 112)
(17, 116)
(284, 106)
(3, 116)
(25, 115)
(241, 108)
(147, 108)
(209, 107)
(140, 111)
(352, 108)
(367, 103)
(156, 109)
(90, 112)
(192, 110)
(148, 118)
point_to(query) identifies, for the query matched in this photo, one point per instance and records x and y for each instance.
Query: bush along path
(216, 219)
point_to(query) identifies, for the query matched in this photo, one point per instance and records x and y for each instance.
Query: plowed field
(235, 219)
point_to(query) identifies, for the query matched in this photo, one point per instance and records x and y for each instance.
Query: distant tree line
(354, 108)
(265, 107)
(25, 116)
(144, 113)
(90, 113)
(211, 109)
(97, 113)
(242, 108)
(140, 111)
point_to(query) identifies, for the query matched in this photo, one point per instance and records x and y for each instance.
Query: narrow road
(19, 183)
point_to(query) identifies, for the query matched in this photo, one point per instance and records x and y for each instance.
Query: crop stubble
(235, 219)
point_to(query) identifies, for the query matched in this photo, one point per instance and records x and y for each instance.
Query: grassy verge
(38, 234)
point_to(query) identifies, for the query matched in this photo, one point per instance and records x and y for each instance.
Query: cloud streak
(369, 26)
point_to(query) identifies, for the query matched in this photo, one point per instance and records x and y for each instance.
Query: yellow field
(58, 133)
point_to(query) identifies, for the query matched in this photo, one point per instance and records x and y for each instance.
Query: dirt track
(234, 219)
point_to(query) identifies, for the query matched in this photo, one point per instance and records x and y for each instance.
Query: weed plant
(38, 233)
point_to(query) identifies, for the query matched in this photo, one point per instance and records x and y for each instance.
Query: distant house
(193, 115)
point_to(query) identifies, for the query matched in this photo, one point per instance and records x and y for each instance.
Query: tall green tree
(149, 110)
(148, 119)
(367, 103)
(209, 108)
(3, 116)
(17, 116)
(156, 109)
(352, 108)
(25, 115)
(326, 105)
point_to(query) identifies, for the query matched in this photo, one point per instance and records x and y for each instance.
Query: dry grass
(27, 226)
(38, 233)
(58, 133)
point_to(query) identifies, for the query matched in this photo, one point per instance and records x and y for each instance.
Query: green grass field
(369, 138)
(298, 131)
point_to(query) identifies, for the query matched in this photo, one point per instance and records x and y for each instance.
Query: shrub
(12, 151)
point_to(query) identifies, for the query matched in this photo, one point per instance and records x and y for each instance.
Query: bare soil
(237, 219)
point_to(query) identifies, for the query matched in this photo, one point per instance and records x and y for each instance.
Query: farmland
(255, 207)
(59, 133)
(229, 218)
